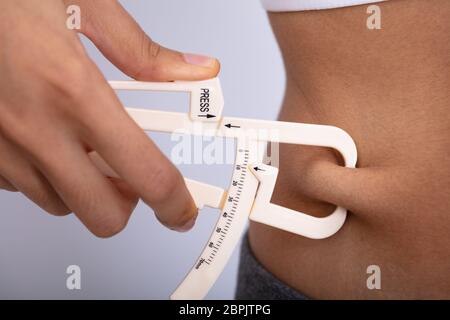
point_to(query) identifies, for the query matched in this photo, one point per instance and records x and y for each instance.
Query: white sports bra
(300, 5)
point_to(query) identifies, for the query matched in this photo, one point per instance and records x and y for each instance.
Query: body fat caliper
(252, 182)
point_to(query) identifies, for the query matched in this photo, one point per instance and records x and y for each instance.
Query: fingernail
(188, 226)
(198, 60)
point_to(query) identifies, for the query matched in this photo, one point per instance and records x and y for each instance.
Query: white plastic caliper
(252, 183)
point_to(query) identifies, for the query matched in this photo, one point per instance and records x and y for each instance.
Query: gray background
(147, 261)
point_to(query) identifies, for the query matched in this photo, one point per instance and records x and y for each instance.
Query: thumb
(121, 40)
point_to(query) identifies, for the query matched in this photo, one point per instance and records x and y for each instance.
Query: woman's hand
(56, 107)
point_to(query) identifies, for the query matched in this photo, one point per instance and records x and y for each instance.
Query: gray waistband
(255, 282)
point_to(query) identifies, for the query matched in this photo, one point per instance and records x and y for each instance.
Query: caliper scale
(252, 182)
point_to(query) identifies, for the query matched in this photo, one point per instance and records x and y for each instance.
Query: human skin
(390, 90)
(56, 109)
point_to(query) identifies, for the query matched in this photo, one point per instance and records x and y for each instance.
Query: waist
(389, 90)
(401, 218)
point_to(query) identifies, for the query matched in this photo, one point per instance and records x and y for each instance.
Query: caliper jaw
(263, 211)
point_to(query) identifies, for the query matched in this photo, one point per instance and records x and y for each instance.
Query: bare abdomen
(389, 89)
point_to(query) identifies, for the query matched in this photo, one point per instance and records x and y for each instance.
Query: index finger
(109, 130)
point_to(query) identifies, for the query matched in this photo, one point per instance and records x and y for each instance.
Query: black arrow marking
(229, 125)
(258, 169)
(206, 116)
